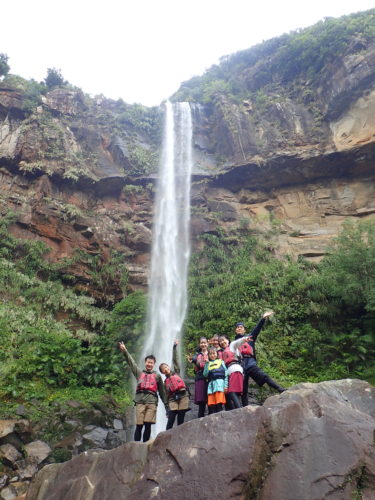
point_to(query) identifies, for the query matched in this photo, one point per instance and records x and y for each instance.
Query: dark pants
(172, 414)
(215, 408)
(260, 378)
(233, 400)
(146, 432)
(202, 407)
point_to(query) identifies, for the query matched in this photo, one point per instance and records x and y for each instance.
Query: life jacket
(216, 370)
(174, 383)
(246, 350)
(229, 357)
(147, 382)
(200, 362)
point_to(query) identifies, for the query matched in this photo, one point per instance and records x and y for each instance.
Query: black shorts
(258, 375)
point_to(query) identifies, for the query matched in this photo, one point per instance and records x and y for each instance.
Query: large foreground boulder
(314, 441)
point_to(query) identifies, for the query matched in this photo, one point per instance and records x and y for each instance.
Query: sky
(142, 50)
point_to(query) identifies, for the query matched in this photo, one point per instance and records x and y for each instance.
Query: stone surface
(22, 427)
(314, 441)
(38, 450)
(96, 437)
(9, 454)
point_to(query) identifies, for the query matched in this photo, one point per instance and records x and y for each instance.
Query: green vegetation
(54, 78)
(284, 59)
(56, 344)
(325, 313)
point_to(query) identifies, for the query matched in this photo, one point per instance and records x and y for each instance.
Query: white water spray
(171, 241)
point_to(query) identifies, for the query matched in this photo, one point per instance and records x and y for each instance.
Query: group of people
(222, 372)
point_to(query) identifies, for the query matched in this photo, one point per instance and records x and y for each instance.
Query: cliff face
(79, 174)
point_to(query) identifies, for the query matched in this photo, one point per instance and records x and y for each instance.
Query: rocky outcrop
(314, 441)
(76, 428)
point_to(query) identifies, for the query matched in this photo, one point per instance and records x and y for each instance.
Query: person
(149, 384)
(200, 385)
(177, 394)
(249, 362)
(229, 354)
(217, 375)
(214, 342)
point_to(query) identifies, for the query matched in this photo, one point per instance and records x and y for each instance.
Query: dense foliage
(55, 343)
(283, 59)
(325, 313)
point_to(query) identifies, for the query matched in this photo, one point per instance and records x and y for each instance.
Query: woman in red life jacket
(248, 355)
(177, 394)
(230, 356)
(217, 375)
(200, 386)
(149, 384)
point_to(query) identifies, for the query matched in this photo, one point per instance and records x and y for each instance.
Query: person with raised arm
(249, 362)
(149, 384)
(177, 393)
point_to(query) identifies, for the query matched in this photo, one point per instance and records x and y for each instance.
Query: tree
(4, 66)
(54, 78)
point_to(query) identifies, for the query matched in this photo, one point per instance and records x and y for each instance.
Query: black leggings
(233, 400)
(215, 408)
(266, 380)
(202, 407)
(146, 432)
(172, 417)
(245, 392)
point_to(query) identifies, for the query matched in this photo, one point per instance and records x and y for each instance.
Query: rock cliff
(314, 441)
(294, 155)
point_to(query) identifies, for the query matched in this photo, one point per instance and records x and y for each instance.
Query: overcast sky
(141, 50)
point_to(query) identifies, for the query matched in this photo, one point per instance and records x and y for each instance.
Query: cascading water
(171, 241)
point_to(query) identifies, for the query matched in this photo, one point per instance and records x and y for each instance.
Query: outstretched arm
(132, 364)
(175, 363)
(257, 328)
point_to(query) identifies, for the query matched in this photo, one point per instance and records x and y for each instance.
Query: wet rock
(321, 435)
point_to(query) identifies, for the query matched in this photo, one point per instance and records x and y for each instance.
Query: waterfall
(171, 241)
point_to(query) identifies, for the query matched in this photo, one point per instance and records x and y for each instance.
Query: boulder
(38, 450)
(9, 454)
(21, 427)
(314, 441)
(96, 437)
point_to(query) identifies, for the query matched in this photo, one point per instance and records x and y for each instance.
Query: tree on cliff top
(54, 78)
(4, 66)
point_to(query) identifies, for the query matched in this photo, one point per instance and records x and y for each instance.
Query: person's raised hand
(267, 314)
(121, 346)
